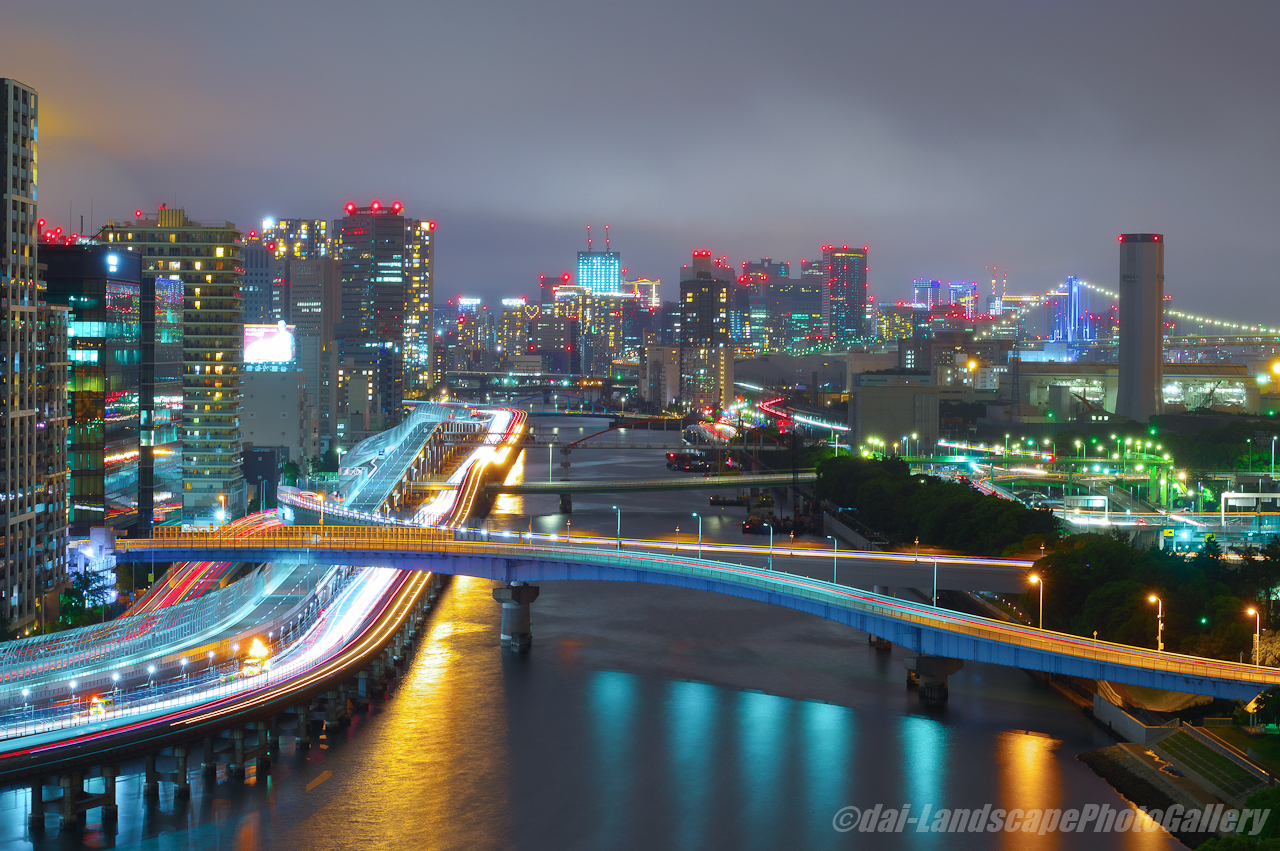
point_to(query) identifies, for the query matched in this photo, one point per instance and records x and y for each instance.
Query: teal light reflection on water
(925, 760)
(829, 738)
(763, 720)
(691, 714)
(612, 697)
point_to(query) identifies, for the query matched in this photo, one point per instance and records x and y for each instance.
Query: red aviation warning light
(350, 208)
(396, 206)
(431, 225)
(137, 214)
(375, 206)
(40, 224)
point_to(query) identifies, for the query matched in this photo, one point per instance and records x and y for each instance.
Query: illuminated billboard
(268, 343)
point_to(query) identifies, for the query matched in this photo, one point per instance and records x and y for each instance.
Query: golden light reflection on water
(1031, 778)
(438, 757)
(512, 503)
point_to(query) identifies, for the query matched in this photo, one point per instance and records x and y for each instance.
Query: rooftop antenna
(588, 237)
(606, 237)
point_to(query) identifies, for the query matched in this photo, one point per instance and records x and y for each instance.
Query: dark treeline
(884, 496)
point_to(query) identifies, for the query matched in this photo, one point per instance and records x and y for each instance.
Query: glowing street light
(699, 516)
(619, 510)
(1159, 620)
(1257, 636)
(1036, 580)
(835, 560)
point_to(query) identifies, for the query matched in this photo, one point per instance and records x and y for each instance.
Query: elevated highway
(922, 628)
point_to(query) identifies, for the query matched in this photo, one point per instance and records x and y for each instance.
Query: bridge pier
(302, 733)
(181, 783)
(516, 631)
(75, 801)
(566, 503)
(932, 672)
(209, 765)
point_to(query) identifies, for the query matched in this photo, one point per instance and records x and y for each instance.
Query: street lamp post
(619, 510)
(1036, 580)
(677, 538)
(1159, 621)
(917, 548)
(835, 560)
(1257, 636)
(769, 526)
(1249, 441)
(1273, 454)
(699, 516)
(320, 497)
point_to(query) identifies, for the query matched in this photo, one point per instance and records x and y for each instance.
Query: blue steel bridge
(922, 628)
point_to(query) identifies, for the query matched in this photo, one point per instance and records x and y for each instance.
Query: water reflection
(443, 740)
(691, 710)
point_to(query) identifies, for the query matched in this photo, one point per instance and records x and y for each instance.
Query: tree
(290, 472)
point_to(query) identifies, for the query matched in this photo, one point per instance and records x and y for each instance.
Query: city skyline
(973, 150)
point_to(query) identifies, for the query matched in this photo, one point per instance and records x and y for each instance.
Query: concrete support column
(331, 711)
(235, 765)
(210, 763)
(882, 645)
(566, 503)
(151, 777)
(110, 808)
(302, 735)
(273, 736)
(181, 785)
(517, 633)
(362, 685)
(932, 672)
(264, 759)
(72, 787)
(35, 818)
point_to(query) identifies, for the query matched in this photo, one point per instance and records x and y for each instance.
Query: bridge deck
(923, 628)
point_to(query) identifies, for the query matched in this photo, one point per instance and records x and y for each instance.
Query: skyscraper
(101, 287)
(1141, 326)
(199, 266)
(844, 299)
(706, 289)
(33, 357)
(599, 271)
(386, 321)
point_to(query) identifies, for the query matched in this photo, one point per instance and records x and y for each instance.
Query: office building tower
(260, 304)
(512, 327)
(33, 415)
(706, 289)
(197, 266)
(963, 297)
(387, 299)
(805, 326)
(926, 293)
(555, 339)
(101, 286)
(1070, 317)
(844, 300)
(599, 271)
(419, 266)
(1141, 341)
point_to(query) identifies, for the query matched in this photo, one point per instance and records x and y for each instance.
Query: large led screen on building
(268, 343)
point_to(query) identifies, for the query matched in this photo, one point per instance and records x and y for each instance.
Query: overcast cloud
(947, 135)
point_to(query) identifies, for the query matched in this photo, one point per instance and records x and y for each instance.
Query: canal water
(643, 718)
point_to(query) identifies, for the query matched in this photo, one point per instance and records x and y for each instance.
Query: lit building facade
(33, 414)
(201, 263)
(100, 285)
(844, 299)
(599, 271)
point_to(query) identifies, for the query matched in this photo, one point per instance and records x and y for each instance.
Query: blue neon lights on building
(600, 271)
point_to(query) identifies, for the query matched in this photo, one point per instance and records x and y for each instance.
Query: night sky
(947, 136)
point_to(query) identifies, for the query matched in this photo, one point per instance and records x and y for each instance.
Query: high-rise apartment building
(1141, 344)
(203, 262)
(33, 357)
(100, 285)
(420, 363)
(844, 299)
(512, 329)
